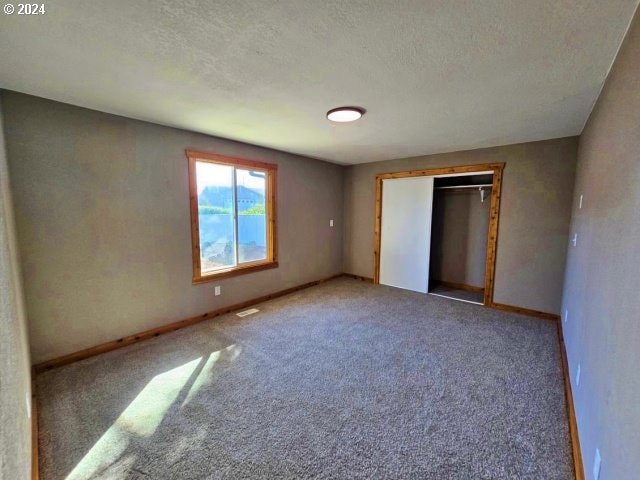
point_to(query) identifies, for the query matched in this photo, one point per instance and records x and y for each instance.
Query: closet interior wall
(459, 231)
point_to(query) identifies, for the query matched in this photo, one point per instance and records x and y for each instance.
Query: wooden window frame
(271, 171)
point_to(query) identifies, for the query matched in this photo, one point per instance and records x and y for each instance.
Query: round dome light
(345, 114)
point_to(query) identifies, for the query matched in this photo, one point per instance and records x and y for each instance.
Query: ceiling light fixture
(345, 114)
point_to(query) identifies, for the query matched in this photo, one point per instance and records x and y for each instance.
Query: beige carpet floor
(345, 380)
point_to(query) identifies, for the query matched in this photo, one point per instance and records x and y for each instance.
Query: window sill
(233, 271)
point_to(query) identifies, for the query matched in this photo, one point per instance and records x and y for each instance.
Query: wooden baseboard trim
(571, 412)
(526, 311)
(358, 277)
(171, 327)
(35, 431)
(459, 286)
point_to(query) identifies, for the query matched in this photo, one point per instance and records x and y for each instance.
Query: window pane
(252, 218)
(215, 216)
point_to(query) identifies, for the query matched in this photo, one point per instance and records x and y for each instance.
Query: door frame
(494, 215)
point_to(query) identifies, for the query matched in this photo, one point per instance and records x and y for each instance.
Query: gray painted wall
(602, 333)
(534, 218)
(15, 376)
(459, 237)
(102, 209)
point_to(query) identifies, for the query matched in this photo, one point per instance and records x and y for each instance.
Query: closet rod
(486, 185)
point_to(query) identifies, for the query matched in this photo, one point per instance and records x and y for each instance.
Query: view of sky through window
(223, 243)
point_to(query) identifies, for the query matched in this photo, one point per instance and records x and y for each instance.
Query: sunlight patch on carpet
(145, 413)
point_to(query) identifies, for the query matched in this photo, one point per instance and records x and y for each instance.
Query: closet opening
(436, 231)
(459, 233)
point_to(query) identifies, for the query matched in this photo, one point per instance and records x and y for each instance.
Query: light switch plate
(597, 461)
(578, 376)
(217, 290)
(566, 315)
(580, 205)
(331, 222)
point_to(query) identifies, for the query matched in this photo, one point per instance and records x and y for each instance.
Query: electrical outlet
(597, 461)
(566, 315)
(574, 240)
(217, 290)
(331, 222)
(580, 204)
(578, 376)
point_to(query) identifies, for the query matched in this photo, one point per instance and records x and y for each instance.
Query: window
(233, 217)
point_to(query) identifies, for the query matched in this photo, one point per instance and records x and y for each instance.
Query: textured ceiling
(434, 76)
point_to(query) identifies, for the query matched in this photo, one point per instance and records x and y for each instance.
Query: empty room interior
(337, 240)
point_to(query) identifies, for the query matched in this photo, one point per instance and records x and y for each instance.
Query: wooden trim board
(35, 431)
(234, 271)
(155, 332)
(458, 286)
(377, 230)
(571, 412)
(526, 311)
(358, 277)
(35, 442)
(484, 167)
(494, 215)
(228, 160)
(492, 235)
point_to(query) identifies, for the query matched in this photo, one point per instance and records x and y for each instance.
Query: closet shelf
(457, 187)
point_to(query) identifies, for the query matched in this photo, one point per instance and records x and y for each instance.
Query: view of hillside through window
(224, 194)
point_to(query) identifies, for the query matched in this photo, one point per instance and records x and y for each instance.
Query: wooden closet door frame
(494, 215)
